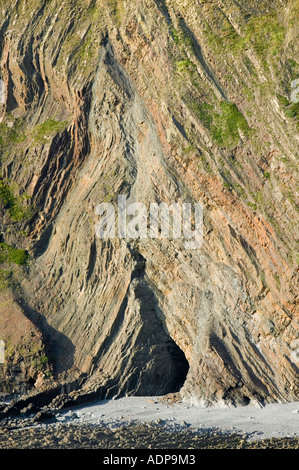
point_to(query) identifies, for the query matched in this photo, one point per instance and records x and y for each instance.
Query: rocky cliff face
(160, 101)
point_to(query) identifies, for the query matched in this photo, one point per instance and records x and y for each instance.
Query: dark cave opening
(158, 364)
(161, 372)
(179, 367)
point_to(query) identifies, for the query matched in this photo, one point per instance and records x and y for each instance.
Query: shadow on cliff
(59, 348)
(155, 365)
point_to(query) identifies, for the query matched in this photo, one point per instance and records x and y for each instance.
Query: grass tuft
(9, 254)
(43, 131)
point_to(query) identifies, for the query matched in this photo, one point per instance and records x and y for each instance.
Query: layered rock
(158, 101)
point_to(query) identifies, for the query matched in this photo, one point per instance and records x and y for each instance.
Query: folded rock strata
(159, 101)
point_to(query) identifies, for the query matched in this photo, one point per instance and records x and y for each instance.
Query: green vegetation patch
(43, 131)
(11, 134)
(41, 363)
(14, 205)
(204, 112)
(181, 38)
(264, 34)
(225, 126)
(32, 352)
(290, 109)
(186, 65)
(117, 11)
(6, 279)
(9, 254)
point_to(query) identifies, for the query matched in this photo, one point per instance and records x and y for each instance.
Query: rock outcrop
(159, 101)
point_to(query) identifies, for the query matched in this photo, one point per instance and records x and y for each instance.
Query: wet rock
(30, 409)
(45, 415)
